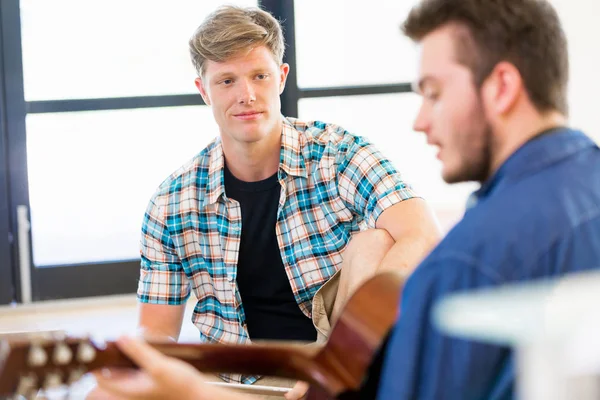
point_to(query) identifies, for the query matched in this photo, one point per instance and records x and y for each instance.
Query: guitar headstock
(28, 364)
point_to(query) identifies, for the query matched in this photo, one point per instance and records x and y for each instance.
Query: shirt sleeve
(162, 279)
(423, 363)
(367, 181)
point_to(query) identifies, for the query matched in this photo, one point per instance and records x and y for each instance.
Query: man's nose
(247, 94)
(423, 121)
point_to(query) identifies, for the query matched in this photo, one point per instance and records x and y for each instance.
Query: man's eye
(227, 81)
(261, 76)
(432, 95)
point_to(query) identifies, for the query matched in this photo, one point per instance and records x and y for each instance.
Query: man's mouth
(249, 115)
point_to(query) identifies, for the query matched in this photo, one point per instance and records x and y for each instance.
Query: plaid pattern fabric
(333, 183)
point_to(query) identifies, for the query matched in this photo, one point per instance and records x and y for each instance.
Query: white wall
(581, 20)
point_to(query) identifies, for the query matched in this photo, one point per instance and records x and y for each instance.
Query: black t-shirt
(269, 304)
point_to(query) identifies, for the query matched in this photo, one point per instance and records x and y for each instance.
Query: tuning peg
(27, 385)
(86, 353)
(62, 354)
(76, 375)
(37, 356)
(52, 380)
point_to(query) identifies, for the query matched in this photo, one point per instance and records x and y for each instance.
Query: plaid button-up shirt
(333, 183)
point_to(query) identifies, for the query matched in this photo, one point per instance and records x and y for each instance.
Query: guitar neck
(290, 361)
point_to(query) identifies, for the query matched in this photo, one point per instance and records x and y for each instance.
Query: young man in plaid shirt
(269, 212)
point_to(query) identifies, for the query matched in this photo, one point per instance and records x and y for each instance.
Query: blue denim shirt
(537, 217)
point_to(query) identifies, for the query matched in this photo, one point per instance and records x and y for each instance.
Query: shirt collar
(291, 160)
(545, 149)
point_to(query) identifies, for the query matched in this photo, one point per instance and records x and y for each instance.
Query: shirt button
(230, 278)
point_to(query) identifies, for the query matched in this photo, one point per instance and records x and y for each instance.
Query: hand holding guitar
(162, 377)
(159, 377)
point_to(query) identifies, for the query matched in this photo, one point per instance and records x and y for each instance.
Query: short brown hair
(526, 33)
(230, 30)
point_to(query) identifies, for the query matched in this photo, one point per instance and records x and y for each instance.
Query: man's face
(452, 115)
(244, 95)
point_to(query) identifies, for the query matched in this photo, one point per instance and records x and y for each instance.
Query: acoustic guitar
(336, 369)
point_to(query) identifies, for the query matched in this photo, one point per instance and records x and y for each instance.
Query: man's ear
(284, 71)
(200, 85)
(503, 88)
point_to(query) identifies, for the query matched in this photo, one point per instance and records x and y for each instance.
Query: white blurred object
(553, 325)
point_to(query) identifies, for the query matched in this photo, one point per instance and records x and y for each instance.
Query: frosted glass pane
(91, 175)
(387, 121)
(110, 48)
(353, 42)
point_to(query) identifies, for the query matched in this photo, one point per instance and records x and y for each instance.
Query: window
(339, 44)
(89, 192)
(111, 48)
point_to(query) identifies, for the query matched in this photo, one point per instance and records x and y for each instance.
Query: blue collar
(545, 149)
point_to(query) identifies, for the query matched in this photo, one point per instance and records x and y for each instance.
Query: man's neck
(520, 131)
(251, 162)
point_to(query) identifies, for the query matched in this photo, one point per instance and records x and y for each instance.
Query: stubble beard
(476, 156)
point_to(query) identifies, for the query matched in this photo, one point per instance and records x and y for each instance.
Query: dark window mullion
(305, 93)
(7, 282)
(121, 103)
(14, 123)
(116, 103)
(283, 10)
(84, 280)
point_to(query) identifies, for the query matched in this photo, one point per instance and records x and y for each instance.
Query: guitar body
(337, 368)
(316, 393)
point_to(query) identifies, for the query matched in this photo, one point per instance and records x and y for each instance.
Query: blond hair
(230, 30)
